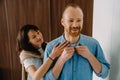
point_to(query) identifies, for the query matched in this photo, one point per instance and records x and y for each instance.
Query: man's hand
(83, 51)
(67, 53)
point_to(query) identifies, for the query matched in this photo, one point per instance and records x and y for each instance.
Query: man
(87, 56)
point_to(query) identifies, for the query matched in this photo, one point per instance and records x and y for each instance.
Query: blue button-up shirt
(78, 68)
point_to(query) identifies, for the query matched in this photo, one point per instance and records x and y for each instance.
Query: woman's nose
(38, 37)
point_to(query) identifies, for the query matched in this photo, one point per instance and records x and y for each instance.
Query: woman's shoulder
(32, 61)
(27, 54)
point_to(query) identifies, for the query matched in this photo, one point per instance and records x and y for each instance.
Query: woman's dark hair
(23, 39)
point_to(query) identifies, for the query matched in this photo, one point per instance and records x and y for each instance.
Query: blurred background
(101, 21)
(106, 29)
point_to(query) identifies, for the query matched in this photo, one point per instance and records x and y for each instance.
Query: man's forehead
(72, 11)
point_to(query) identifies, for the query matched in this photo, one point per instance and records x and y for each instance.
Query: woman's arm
(40, 72)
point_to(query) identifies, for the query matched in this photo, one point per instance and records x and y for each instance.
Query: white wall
(106, 28)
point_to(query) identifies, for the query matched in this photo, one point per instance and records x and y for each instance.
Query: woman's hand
(58, 49)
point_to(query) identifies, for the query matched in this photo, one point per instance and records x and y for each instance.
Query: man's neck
(71, 39)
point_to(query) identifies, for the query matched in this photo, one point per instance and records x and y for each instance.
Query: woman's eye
(38, 32)
(34, 37)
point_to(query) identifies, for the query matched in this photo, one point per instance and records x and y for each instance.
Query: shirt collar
(79, 42)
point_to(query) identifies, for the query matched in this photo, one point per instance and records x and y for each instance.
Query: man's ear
(62, 22)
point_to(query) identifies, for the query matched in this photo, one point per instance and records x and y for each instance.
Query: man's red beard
(74, 34)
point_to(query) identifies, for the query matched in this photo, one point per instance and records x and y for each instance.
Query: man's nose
(75, 24)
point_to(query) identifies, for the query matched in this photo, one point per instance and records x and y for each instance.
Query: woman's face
(35, 38)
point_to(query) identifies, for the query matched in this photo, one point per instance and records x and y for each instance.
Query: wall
(106, 28)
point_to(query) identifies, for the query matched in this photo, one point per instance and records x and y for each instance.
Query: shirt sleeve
(49, 74)
(104, 72)
(105, 65)
(28, 62)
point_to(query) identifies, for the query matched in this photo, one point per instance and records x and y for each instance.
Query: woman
(31, 47)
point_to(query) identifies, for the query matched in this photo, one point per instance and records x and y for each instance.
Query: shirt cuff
(104, 72)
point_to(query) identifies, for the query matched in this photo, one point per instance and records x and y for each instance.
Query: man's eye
(70, 20)
(78, 20)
